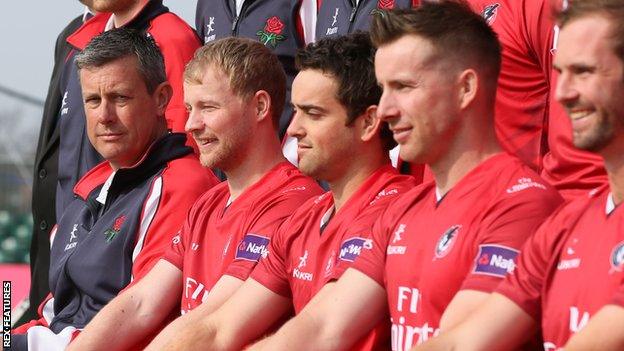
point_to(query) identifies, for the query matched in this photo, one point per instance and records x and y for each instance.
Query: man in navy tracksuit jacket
(177, 42)
(63, 149)
(126, 209)
(340, 17)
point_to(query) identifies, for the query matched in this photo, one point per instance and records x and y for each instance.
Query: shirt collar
(610, 206)
(104, 191)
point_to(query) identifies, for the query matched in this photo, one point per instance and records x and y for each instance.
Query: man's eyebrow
(308, 107)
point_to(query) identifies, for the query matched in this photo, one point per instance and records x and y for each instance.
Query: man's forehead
(582, 33)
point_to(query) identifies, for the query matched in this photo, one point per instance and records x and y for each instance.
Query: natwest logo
(252, 247)
(495, 260)
(352, 248)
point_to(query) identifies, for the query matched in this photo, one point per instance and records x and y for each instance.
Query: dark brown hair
(459, 35)
(350, 60)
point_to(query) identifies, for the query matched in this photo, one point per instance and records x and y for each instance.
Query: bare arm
(244, 317)
(497, 324)
(225, 287)
(603, 332)
(135, 313)
(462, 305)
(337, 317)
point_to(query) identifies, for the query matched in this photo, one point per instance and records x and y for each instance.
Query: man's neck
(355, 175)
(469, 148)
(615, 172)
(124, 16)
(257, 162)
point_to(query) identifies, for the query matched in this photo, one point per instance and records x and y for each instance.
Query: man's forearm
(118, 326)
(186, 334)
(303, 327)
(225, 287)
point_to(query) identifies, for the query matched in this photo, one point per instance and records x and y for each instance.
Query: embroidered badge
(489, 13)
(446, 241)
(617, 258)
(112, 232)
(272, 32)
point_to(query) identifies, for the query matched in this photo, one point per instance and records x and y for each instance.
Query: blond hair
(248, 64)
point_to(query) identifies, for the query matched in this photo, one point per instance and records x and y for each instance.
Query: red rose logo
(385, 4)
(274, 26)
(118, 222)
(272, 33)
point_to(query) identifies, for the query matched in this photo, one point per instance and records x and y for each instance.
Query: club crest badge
(446, 241)
(617, 258)
(489, 13)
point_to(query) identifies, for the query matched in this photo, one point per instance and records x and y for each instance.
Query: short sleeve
(358, 237)
(372, 260)
(525, 284)
(271, 270)
(174, 254)
(265, 222)
(503, 231)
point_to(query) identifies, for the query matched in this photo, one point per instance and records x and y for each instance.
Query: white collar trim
(326, 217)
(610, 206)
(104, 191)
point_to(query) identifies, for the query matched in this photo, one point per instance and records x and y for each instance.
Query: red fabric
(496, 206)
(184, 181)
(525, 31)
(302, 259)
(215, 240)
(570, 268)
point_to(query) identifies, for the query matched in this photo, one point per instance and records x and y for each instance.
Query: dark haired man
(570, 272)
(334, 96)
(234, 90)
(439, 250)
(64, 153)
(176, 41)
(127, 208)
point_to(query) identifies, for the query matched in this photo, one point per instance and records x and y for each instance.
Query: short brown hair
(457, 33)
(249, 65)
(349, 60)
(613, 10)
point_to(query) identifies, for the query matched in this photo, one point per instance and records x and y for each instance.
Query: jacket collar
(95, 26)
(167, 148)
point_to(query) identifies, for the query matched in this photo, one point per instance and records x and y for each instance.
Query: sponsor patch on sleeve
(252, 247)
(351, 248)
(495, 260)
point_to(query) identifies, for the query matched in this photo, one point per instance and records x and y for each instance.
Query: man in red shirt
(574, 172)
(334, 97)
(439, 250)
(234, 91)
(571, 269)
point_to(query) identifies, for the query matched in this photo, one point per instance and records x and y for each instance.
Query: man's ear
(162, 95)
(369, 123)
(468, 85)
(262, 105)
